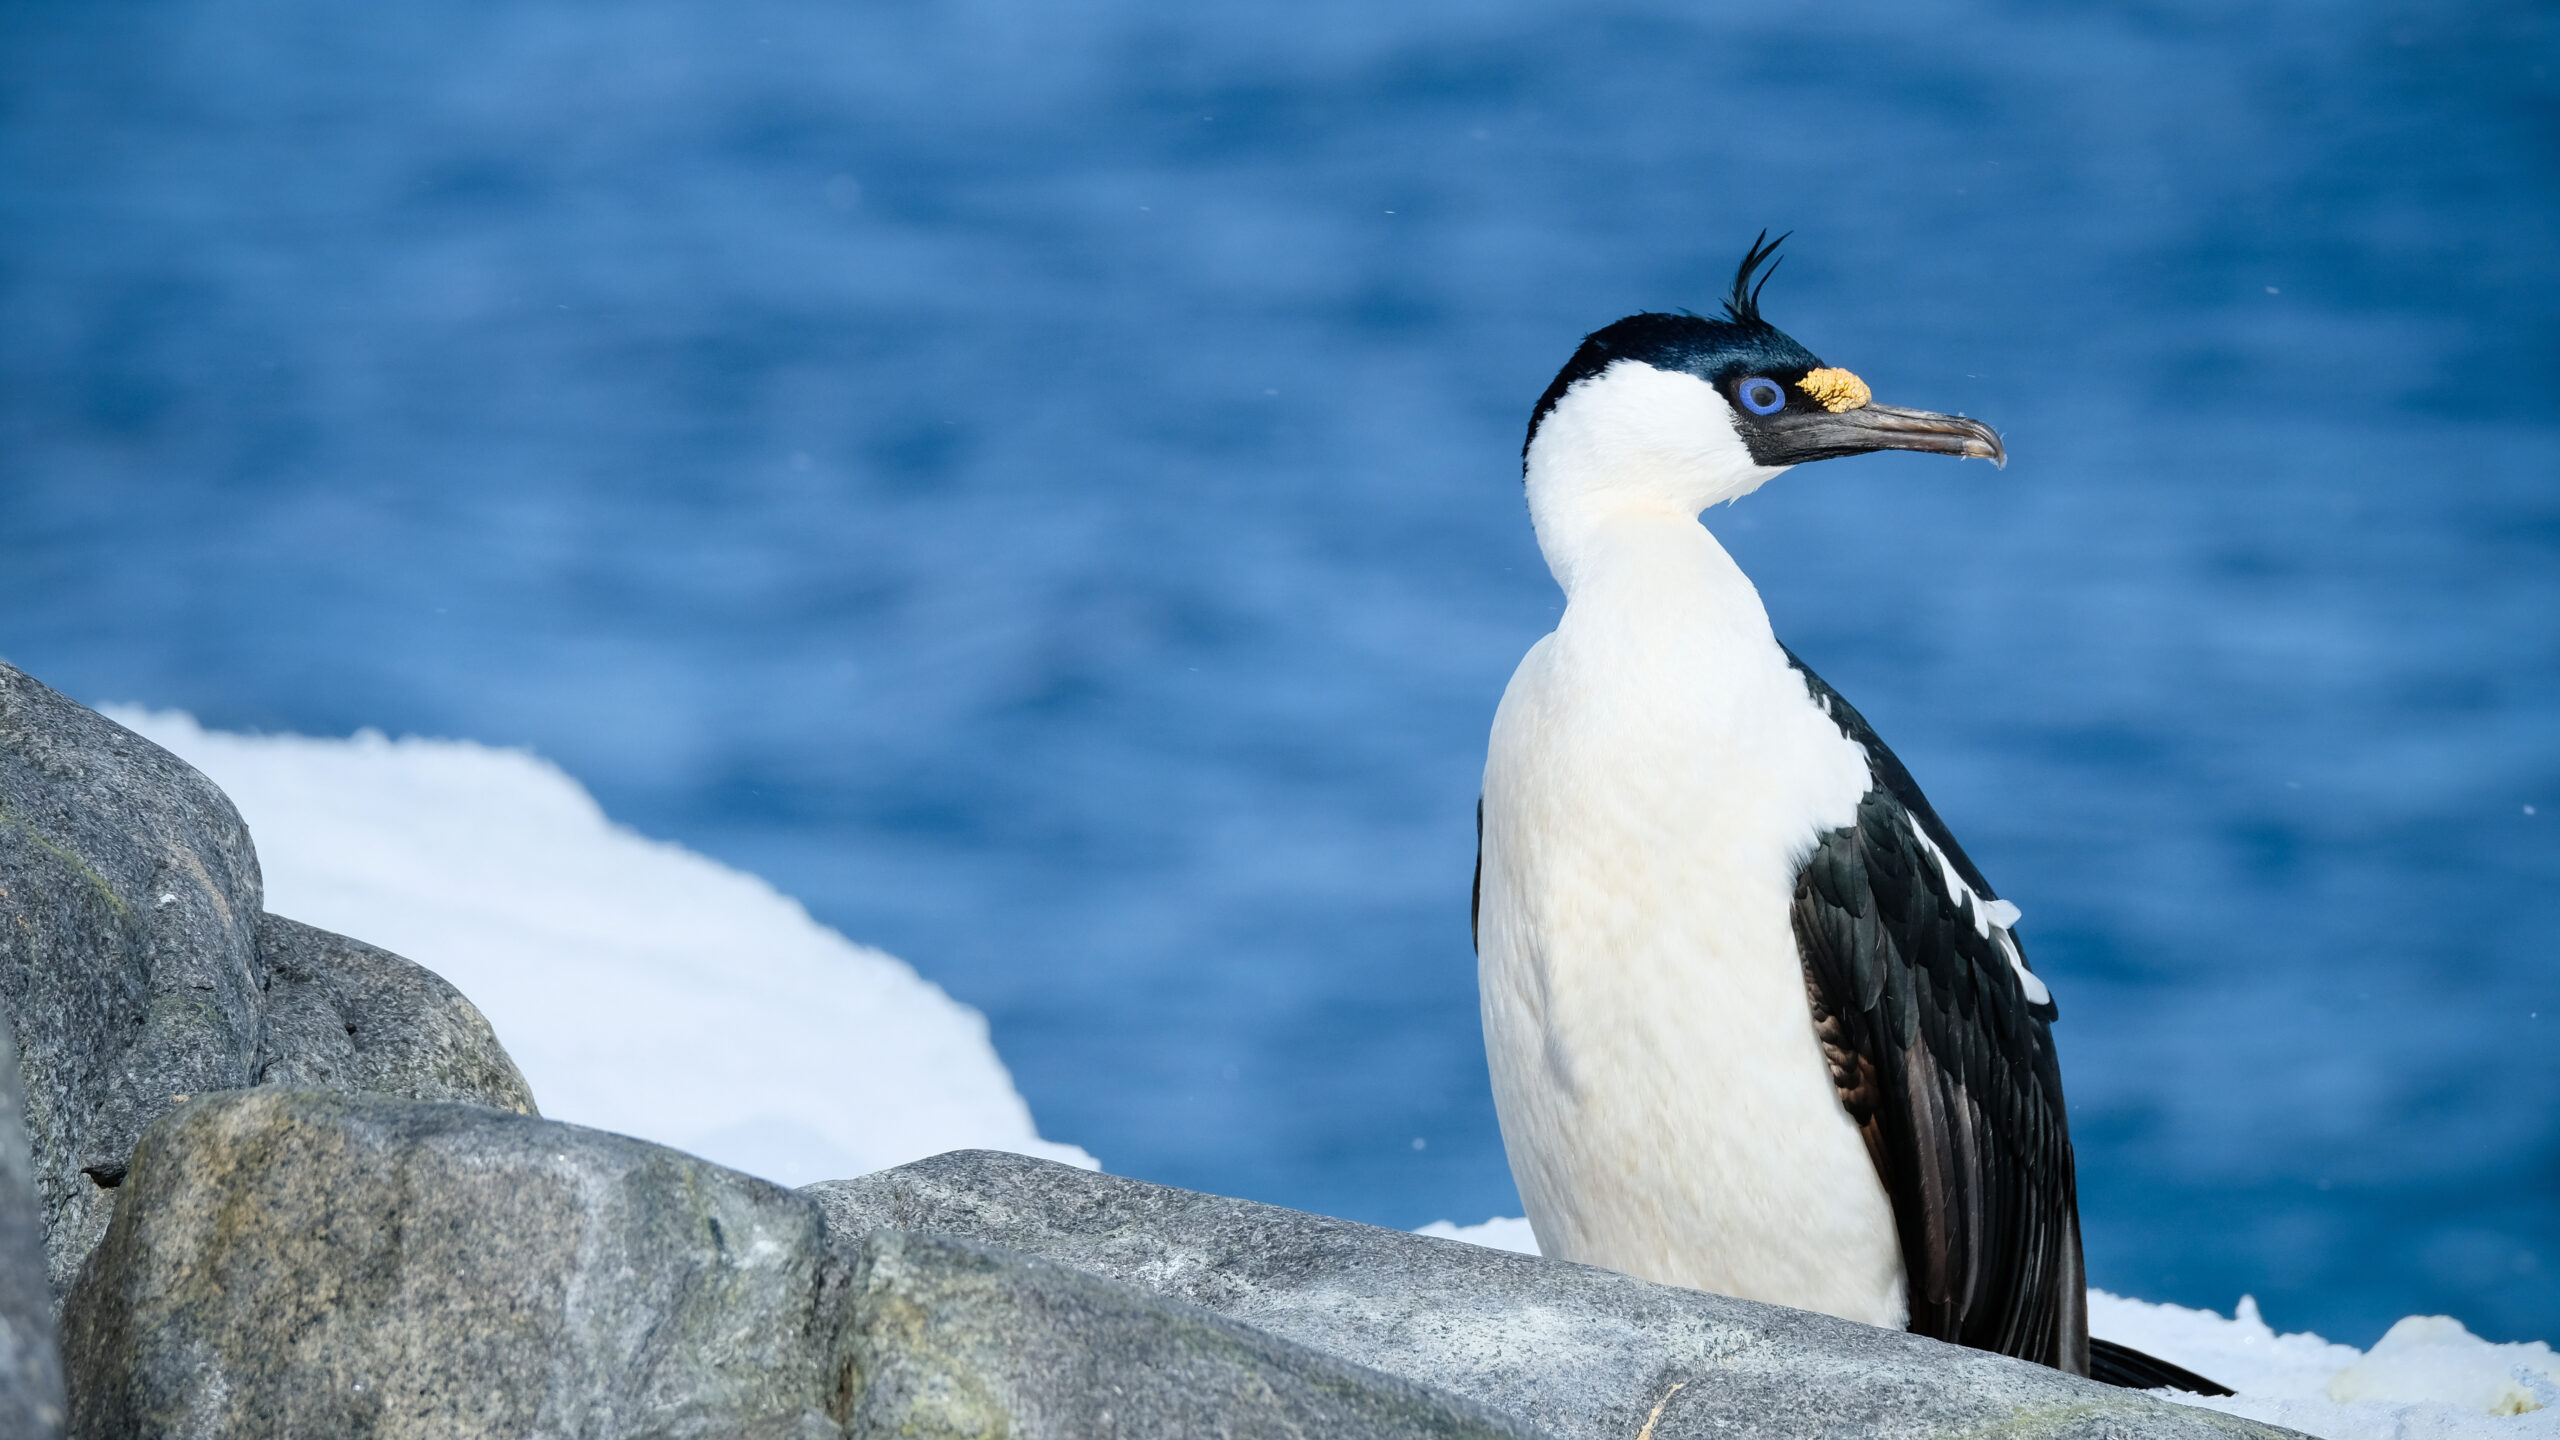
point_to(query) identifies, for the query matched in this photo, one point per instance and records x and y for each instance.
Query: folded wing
(1938, 1037)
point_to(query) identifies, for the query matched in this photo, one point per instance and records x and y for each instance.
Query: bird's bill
(1800, 436)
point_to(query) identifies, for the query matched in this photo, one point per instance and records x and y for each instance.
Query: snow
(2428, 1378)
(640, 987)
(2432, 1357)
(2241, 1351)
(1497, 1233)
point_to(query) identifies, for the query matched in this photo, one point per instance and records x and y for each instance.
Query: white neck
(1616, 552)
(1654, 599)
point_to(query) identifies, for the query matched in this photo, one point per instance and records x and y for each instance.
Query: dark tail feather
(2114, 1364)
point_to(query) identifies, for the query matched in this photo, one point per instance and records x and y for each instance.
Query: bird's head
(1684, 412)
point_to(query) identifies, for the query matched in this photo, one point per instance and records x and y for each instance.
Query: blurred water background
(1040, 484)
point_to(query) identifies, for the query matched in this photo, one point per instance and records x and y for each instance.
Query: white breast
(1656, 778)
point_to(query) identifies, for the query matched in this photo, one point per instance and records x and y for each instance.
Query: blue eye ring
(1761, 395)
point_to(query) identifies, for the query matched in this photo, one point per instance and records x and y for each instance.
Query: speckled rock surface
(137, 965)
(339, 1014)
(1584, 1353)
(959, 1340)
(129, 903)
(303, 1263)
(30, 1366)
(291, 1262)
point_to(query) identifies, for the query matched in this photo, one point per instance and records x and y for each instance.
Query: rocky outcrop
(297, 1262)
(339, 1014)
(129, 903)
(301, 1262)
(30, 1366)
(138, 965)
(1577, 1351)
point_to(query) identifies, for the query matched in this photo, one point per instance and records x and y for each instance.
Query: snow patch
(2433, 1358)
(1497, 1233)
(2427, 1377)
(2242, 1350)
(641, 988)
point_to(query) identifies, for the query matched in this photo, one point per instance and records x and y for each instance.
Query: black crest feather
(1744, 307)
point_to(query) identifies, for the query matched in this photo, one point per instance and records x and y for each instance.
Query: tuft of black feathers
(1744, 307)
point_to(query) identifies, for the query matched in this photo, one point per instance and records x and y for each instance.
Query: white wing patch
(1992, 919)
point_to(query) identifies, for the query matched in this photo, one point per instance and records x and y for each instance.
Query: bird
(1756, 1023)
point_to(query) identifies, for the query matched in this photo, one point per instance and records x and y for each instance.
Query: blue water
(1042, 487)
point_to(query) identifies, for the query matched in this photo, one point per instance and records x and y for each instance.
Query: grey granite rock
(129, 903)
(304, 1263)
(956, 1340)
(138, 966)
(339, 1014)
(30, 1366)
(1585, 1353)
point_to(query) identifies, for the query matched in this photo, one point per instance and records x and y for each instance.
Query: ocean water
(1042, 487)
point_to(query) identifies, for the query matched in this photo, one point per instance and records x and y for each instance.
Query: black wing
(1948, 1069)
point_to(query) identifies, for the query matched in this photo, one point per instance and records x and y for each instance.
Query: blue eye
(1761, 396)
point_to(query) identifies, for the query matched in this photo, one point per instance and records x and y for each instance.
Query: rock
(137, 964)
(305, 1263)
(1584, 1353)
(343, 1015)
(956, 1339)
(30, 1366)
(302, 1262)
(129, 903)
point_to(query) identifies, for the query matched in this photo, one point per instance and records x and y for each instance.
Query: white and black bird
(1756, 1024)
